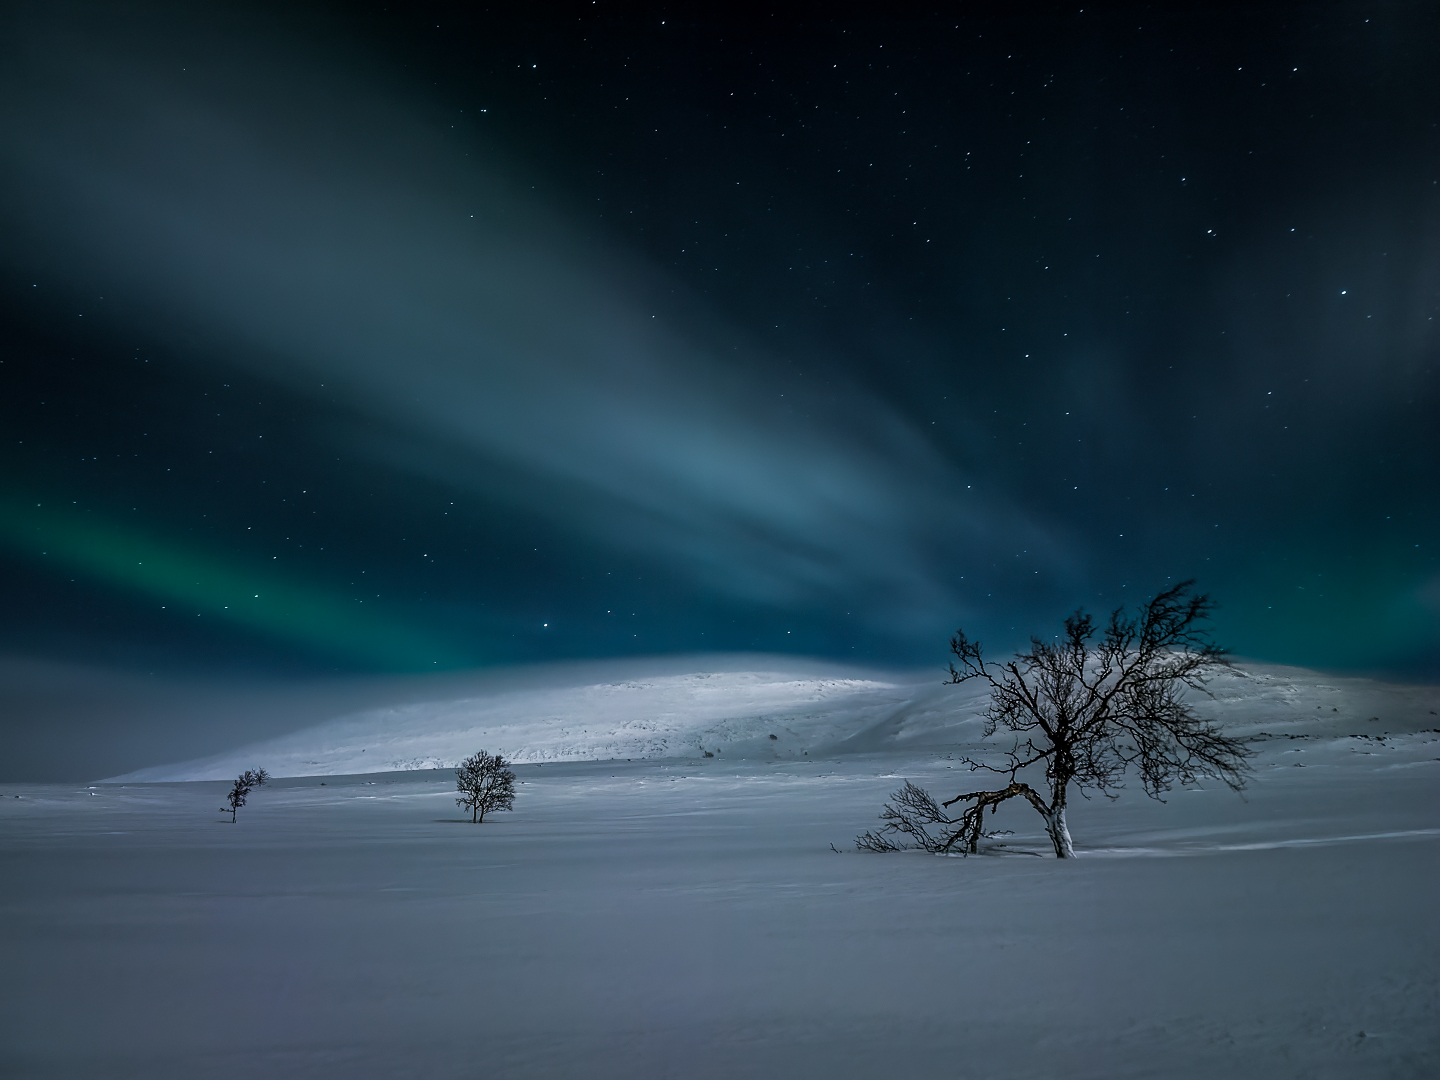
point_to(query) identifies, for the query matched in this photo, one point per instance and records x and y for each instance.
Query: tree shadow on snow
(456, 821)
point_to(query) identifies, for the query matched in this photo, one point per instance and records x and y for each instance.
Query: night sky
(400, 338)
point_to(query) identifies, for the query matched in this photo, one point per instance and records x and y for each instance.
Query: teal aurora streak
(250, 597)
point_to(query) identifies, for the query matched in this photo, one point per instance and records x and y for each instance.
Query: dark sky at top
(410, 337)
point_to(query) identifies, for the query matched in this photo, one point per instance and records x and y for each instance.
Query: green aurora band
(256, 599)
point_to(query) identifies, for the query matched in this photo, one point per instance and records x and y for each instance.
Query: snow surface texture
(732, 714)
(687, 917)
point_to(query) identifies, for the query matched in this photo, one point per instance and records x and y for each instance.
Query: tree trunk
(474, 809)
(1055, 819)
(1059, 834)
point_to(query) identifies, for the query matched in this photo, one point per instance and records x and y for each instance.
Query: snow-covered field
(676, 915)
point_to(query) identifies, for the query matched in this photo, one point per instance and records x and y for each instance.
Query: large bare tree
(1089, 709)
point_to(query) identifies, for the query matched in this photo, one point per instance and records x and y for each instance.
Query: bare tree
(246, 782)
(1088, 710)
(485, 783)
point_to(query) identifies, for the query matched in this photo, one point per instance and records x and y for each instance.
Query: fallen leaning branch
(913, 812)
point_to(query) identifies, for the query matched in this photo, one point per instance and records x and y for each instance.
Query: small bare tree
(1088, 711)
(245, 783)
(485, 783)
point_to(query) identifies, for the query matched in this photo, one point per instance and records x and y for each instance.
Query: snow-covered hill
(770, 707)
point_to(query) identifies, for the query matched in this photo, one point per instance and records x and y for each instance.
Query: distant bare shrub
(485, 783)
(246, 782)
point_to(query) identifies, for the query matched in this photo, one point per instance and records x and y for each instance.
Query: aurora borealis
(355, 339)
(191, 578)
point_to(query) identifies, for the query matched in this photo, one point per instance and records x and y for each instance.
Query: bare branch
(913, 812)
